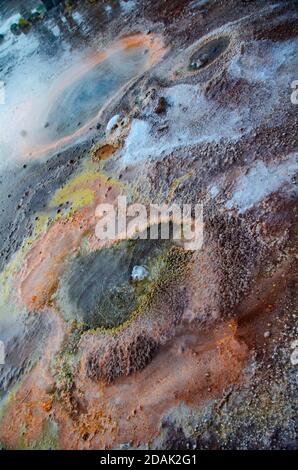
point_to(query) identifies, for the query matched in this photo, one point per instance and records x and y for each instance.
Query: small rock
(125, 445)
(165, 127)
(51, 388)
(267, 334)
(294, 357)
(139, 273)
(112, 123)
(161, 106)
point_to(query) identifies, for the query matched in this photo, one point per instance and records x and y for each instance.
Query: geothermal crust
(199, 351)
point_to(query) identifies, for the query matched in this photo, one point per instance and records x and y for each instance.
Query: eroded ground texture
(202, 353)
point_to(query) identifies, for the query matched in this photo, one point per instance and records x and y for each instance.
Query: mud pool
(98, 289)
(208, 53)
(81, 101)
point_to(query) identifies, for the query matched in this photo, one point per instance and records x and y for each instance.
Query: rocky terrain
(160, 101)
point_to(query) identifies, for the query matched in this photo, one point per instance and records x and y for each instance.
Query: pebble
(294, 357)
(125, 445)
(112, 123)
(139, 273)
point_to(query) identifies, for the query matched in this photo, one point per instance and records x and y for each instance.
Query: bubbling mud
(208, 53)
(98, 289)
(86, 95)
